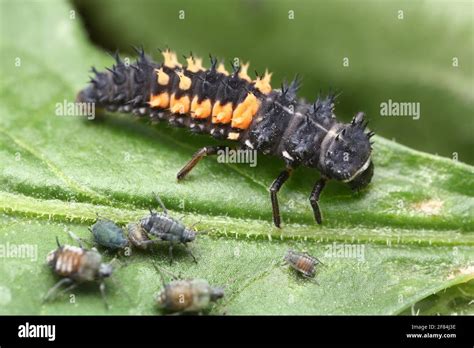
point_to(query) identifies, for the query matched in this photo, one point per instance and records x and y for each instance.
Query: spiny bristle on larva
(243, 74)
(221, 69)
(194, 64)
(263, 83)
(170, 59)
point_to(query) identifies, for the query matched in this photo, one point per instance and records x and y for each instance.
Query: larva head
(346, 154)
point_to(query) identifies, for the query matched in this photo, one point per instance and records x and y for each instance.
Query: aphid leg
(160, 273)
(190, 252)
(102, 292)
(118, 283)
(158, 199)
(312, 279)
(78, 239)
(171, 253)
(160, 270)
(314, 199)
(69, 288)
(55, 288)
(145, 243)
(194, 224)
(317, 260)
(205, 151)
(276, 185)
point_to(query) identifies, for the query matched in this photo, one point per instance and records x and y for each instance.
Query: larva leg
(314, 199)
(276, 185)
(205, 151)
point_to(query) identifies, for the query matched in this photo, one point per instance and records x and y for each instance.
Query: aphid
(108, 234)
(302, 262)
(235, 107)
(138, 237)
(166, 228)
(77, 265)
(192, 295)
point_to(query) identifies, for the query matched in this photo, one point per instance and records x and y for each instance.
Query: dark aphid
(192, 295)
(108, 234)
(77, 265)
(302, 262)
(166, 228)
(235, 107)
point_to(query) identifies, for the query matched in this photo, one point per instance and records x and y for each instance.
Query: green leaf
(408, 236)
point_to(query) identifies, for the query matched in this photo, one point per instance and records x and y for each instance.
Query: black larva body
(300, 133)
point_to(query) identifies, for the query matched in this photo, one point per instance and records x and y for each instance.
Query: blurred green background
(398, 50)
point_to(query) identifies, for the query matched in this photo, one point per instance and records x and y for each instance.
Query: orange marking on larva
(184, 81)
(201, 110)
(263, 83)
(181, 105)
(243, 121)
(222, 113)
(194, 64)
(162, 78)
(233, 136)
(198, 62)
(245, 111)
(243, 74)
(161, 100)
(171, 60)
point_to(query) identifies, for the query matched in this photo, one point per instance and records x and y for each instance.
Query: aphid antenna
(158, 199)
(103, 218)
(57, 242)
(312, 257)
(78, 239)
(161, 270)
(203, 231)
(313, 280)
(194, 224)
